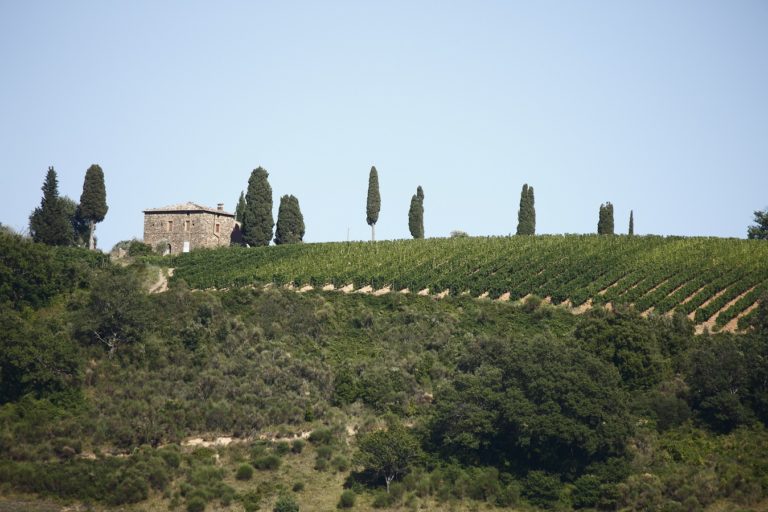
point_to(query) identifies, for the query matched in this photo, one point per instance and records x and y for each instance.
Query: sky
(658, 107)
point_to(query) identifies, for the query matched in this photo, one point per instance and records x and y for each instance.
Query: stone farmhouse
(182, 227)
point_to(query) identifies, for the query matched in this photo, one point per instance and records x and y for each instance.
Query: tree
(631, 223)
(373, 205)
(605, 221)
(416, 214)
(290, 222)
(760, 230)
(526, 215)
(257, 216)
(93, 200)
(48, 223)
(240, 207)
(80, 227)
(388, 453)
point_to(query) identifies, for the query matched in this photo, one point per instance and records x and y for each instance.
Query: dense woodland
(412, 402)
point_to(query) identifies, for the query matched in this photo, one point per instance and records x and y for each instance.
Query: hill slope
(714, 281)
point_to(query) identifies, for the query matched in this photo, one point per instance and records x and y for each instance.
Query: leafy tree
(257, 216)
(526, 215)
(93, 201)
(760, 230)
(373, 204)
(525, 405)
(48, 223)
(240, 207)
(290, 221)
(416, 214)
(631, 223)
(80, 228)
(605, 221)
(388, 453)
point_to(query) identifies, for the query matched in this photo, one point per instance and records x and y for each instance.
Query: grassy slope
(707, 278)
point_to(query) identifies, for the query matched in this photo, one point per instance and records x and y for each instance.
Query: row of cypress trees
(60, 221)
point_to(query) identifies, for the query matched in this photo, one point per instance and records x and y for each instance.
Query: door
(186, 247)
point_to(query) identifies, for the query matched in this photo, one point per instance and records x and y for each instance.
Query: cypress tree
(373, 204)
(93, 201)
(257, 215)
(416, 214)
(49, 223)
(605, 220)
(631, 223)
(526, 215)
(290, 222)
(240, 207)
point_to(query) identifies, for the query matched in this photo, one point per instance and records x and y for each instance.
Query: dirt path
(161, 285)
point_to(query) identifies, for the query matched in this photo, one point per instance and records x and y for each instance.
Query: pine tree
(93, 201)
(605, 220)
(240, 207)
(373, 204)
(290, 222)
(416, 214)
(631, 223)
(526, 215)
(49, 223)
(257, 216)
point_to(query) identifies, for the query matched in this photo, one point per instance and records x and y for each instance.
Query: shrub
(298, 487)
(286, 503)
(340, 463)
(136, 248)
(382, 500)
(325, 452)
(244, 472)
(347, 499)
(282, 448)
(321, 436)
(171, 457)
(196, 504)
(542, 489)
(267, 463)
(297, 446)
(321, 464)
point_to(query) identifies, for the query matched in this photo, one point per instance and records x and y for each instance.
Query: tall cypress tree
(257, 216)
(631, 223)
(49, 223)
(373, 204)
(93, 201)
(605, 220)
(416, 214)
(290, 222)
(526, 215)
(240, 207)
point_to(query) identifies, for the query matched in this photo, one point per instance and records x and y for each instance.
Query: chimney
(220, 207)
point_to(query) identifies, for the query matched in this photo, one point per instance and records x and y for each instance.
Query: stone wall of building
(198, 228)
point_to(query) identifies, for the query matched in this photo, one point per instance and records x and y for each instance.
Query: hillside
(716, 282)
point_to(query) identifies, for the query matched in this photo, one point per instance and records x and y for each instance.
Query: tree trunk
(91, 229)
(389, 479)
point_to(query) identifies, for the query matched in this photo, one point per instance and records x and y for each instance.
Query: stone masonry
(183, 227)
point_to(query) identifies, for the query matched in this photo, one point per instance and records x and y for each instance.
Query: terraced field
(716, 282)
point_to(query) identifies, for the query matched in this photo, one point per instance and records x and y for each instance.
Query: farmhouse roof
(188, 207)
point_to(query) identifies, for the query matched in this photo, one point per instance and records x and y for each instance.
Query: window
(170, 225)
(218, 228)
(186, 225)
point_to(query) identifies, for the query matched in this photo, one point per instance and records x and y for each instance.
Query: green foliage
(49, 223)
(631, 230)
(416, 214)
(93, 200)
(257, 216)
(244, 472)
(240, 208)
(286, 503)
(526, 215)
(542, 489)
(196, 504)
(605, 222)
(290, 222)
(297, 446)
(373, 203)
(347, 499)
(388, 453)
(759, 231)
(79, 226)
(267, 463)
(137, 248)
(552, 405)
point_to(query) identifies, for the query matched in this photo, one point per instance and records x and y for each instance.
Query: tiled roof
(187, 207)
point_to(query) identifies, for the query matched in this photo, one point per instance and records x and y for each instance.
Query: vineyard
(715, 282)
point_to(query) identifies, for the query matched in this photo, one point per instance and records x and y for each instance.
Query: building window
(218, 228)
(170, 225)
(186, 225)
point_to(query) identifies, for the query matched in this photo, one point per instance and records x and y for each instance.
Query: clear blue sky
(656, 106)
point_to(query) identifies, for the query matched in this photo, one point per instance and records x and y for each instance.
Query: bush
(196, 504)
(542, 489)
(321, 464)
(298, 487)
(286, 503)
(340, 464)
(321, 436)
(267, 463)
(325, 452)
(244, 472)
(382, 500)
(347, 499)
(136, 248)
(282, 448)
(297, 446)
